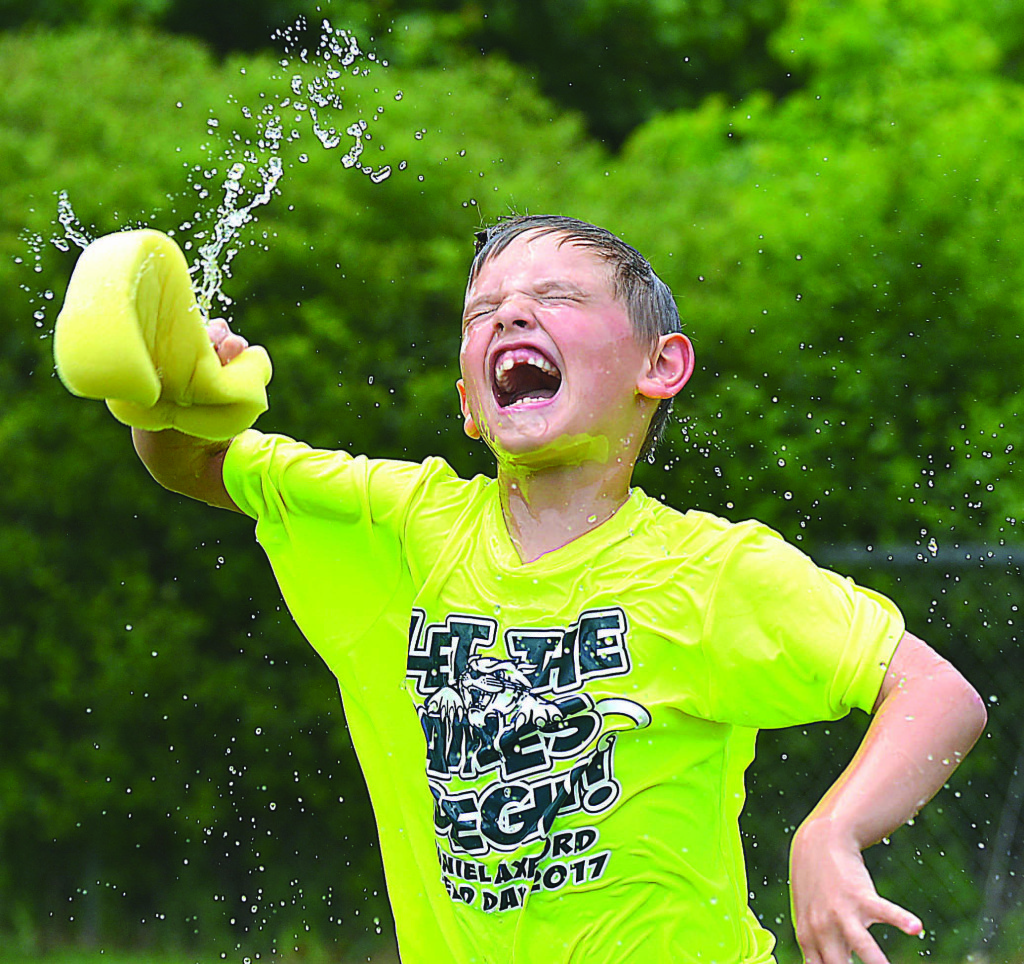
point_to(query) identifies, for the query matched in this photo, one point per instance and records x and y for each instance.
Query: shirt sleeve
(789, 643)
(334, 527)
(271, 476)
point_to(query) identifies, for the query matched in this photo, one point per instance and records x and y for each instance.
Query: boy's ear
(469, 426)
(671, 365)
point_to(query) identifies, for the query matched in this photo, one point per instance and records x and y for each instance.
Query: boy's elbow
(966, 705)
(936, 681)
(976, 712)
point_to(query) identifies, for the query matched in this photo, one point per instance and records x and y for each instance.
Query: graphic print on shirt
(513, 740)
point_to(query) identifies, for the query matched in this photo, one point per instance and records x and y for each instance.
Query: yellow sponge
(131, 332)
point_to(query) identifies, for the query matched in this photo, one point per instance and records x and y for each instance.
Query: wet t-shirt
(555, 750)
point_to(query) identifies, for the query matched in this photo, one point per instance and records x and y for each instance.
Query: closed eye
(476, 314)
(558, 290)
(559, 300)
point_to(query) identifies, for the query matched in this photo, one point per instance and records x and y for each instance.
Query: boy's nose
(502, 324)
(513, 314)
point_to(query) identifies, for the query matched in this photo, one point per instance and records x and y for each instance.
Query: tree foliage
(616, 61)
(846, 256)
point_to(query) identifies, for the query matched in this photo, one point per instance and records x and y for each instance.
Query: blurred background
(833, 190)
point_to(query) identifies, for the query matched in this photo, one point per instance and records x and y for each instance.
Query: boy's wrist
(825, 829)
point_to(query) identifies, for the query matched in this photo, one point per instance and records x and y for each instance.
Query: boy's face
(551, 370)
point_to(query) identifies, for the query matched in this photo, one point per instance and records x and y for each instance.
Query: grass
(99, 956)
(96, 957)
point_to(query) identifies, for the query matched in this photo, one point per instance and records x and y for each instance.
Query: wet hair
(648, 300)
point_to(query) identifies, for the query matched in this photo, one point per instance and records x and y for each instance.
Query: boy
(583, 669)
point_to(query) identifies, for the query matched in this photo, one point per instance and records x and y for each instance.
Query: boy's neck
(545, 509)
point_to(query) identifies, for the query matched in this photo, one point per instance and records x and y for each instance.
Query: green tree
(848, 261)
(617, 62)
(146, 751)
(845, 256)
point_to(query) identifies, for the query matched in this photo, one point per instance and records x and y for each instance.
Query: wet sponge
(131, 332)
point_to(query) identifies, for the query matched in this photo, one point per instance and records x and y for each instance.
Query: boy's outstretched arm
(927, 717)
(185, 464)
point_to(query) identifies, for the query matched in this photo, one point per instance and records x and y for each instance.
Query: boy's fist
(226, 343)
(131, 332)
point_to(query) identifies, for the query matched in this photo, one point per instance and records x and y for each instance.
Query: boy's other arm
(927, 717)
(185, 464)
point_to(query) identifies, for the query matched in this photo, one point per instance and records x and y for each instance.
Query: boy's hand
(834, 900)
(226, 343)
(183, 463)
(927, 716)
(130, 332)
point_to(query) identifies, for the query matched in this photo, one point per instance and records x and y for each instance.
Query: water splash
(338, 54)
(41, 300)
(73, 230)
(314, 94)
(230, 220)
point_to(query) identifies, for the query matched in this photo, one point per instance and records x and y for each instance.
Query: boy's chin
(524, 452)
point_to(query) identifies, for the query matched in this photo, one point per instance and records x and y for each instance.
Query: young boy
(554, 682)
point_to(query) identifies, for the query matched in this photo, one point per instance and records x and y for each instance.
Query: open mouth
(524, 375)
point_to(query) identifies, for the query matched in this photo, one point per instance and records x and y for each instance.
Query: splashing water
(338, 51)
(230, 220)
(73, 230)
(315, 97)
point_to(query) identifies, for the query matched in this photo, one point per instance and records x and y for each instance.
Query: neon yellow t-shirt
(555, 750)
